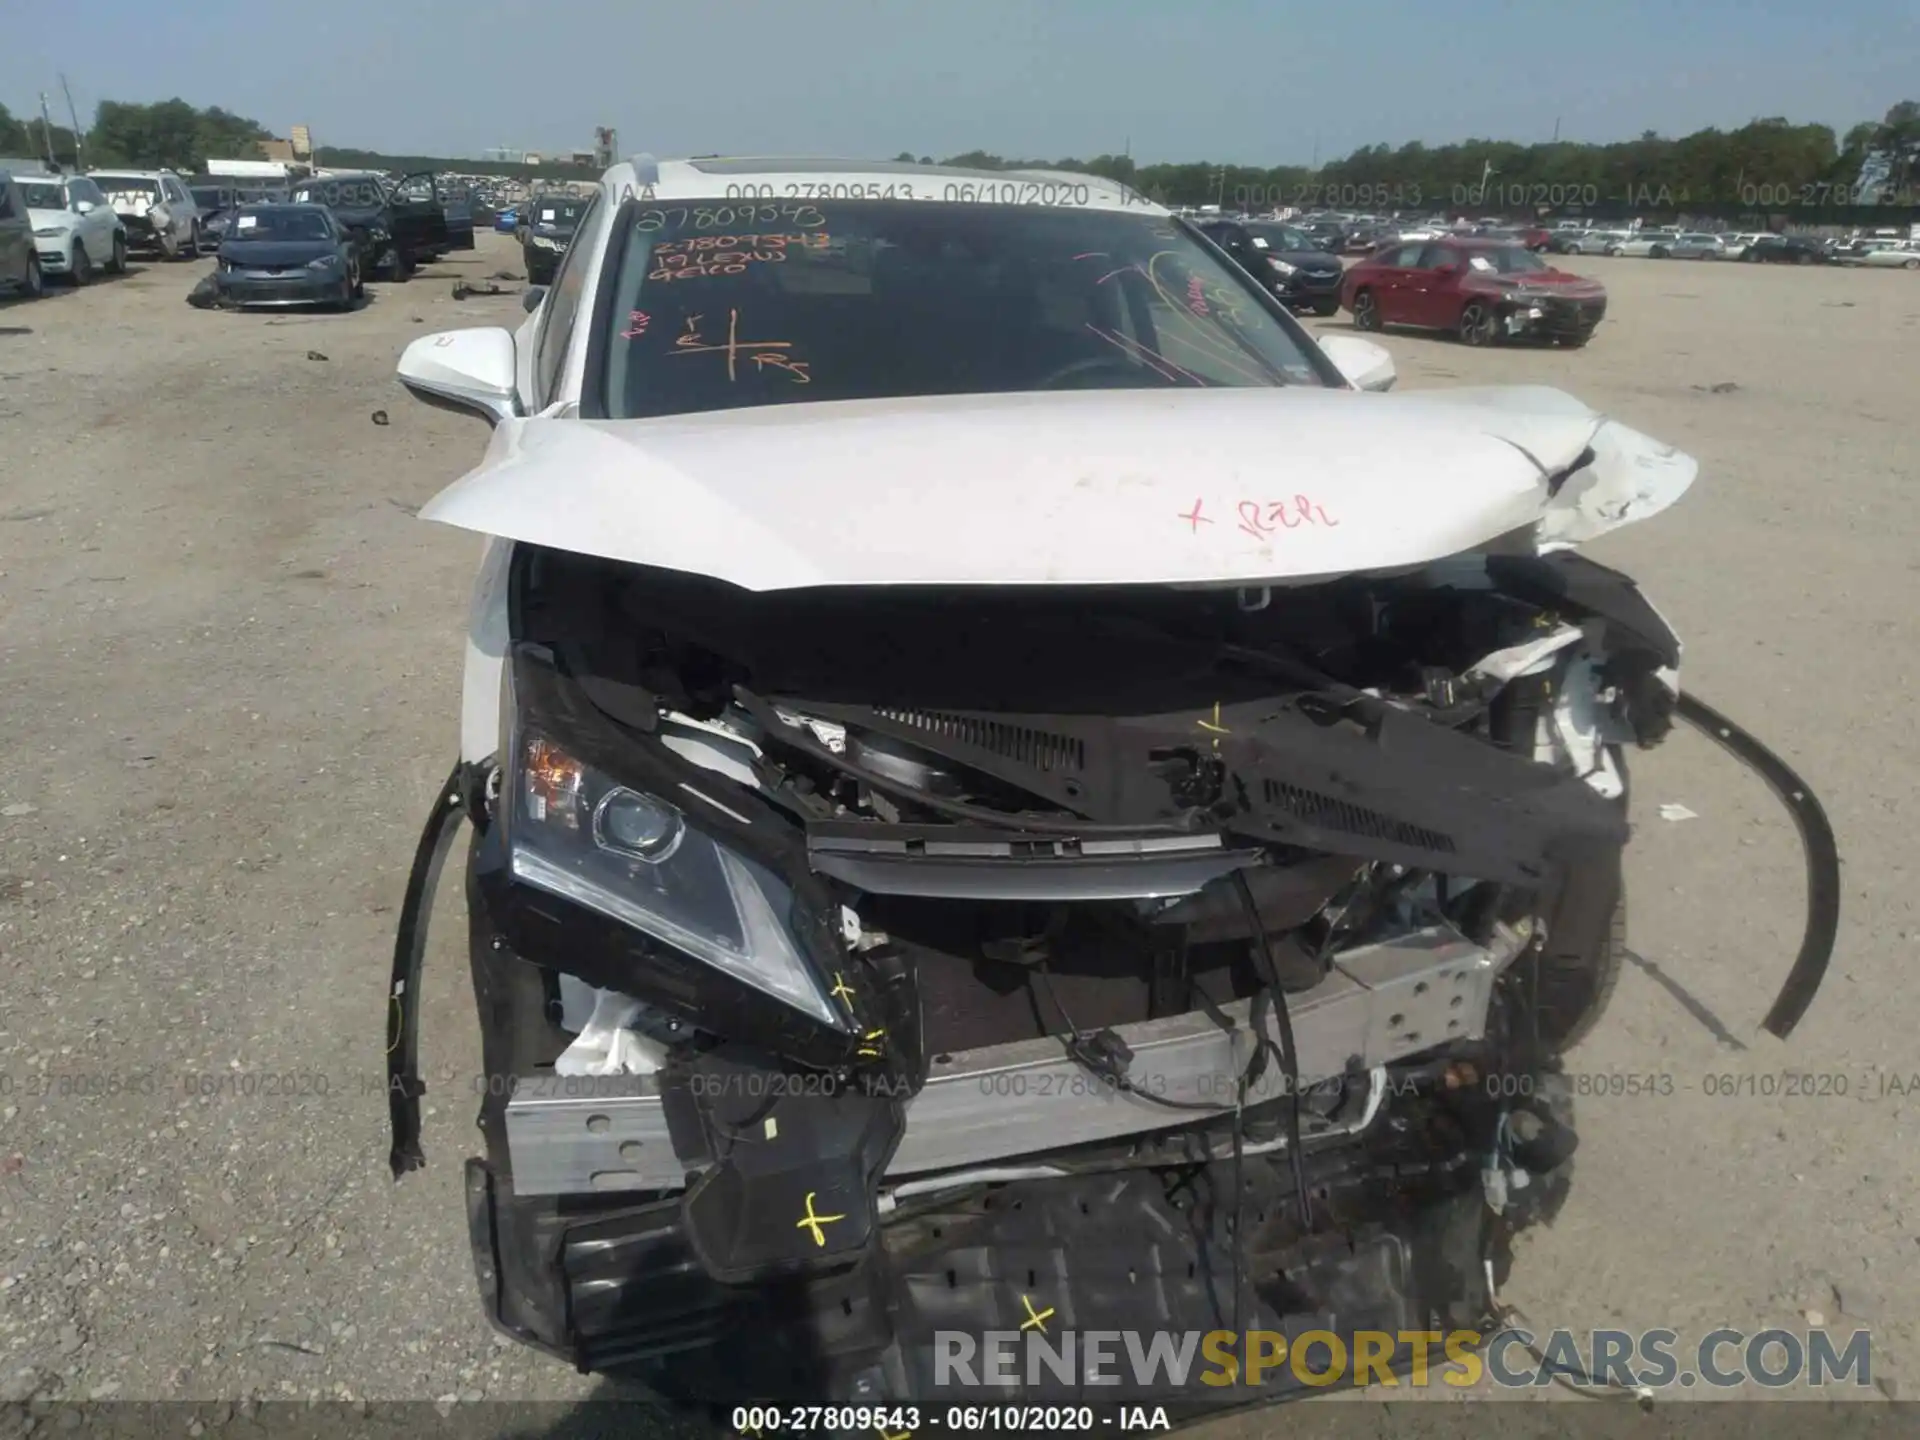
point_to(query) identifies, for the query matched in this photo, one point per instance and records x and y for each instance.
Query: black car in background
(546, 228)
(1287, 260)
(288, 255)
(394, 226)
(1788, 250)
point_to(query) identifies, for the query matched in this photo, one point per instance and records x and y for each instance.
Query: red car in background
(1482, 290)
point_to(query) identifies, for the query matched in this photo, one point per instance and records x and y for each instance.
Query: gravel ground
(229, 678)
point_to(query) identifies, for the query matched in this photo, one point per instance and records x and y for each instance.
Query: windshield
(209, 199)
(44, 194)
(117, 185)
(275, 223)
(723, 306)
(1506, 260)
(360, 192)
(1282, 237)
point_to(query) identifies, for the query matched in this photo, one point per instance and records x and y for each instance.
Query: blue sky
(1245, 81)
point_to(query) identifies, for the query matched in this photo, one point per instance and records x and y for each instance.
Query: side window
(6, 199)
(559, 312)
(1433, 256)
(1405, 257)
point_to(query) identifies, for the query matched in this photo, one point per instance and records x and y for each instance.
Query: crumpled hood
(1195, 487)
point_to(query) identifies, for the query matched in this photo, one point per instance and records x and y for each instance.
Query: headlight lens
(634, 857)
(325, 262)
(50, 231)
(1282, 268)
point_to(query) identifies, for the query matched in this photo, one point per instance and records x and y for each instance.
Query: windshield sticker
(762, 353)
(1480, 262)
(246, 222)
(1264, 520)
(1259, 243)
(548, 215)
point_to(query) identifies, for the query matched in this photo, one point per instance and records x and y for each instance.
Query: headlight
(1282, 268)
(635, 858)
(50, 232)
(325, 262)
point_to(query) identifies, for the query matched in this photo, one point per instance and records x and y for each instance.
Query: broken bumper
(1553, 318)
(613, 1286)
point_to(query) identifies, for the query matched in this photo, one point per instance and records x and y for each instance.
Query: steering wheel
(1086, 365)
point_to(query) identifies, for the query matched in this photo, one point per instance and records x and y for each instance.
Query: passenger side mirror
(469, 370)
(530, 300)
(1365, 365)
(83, 207)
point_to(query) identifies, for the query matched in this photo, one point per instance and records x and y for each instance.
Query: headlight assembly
(325, 262)
(636, 858)
(1282, 268)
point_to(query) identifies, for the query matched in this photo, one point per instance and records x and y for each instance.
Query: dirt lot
(228, 682)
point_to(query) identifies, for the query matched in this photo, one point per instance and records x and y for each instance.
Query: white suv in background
(75, 231)
(156, 208)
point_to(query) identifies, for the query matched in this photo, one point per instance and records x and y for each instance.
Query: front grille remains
(1333, 814)
(1041, 749)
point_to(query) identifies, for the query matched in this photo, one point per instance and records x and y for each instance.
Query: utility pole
(1556, 129)
(46, 130)
(79, 157)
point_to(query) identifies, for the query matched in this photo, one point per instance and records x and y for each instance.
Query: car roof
(708, 177)
(302, 206)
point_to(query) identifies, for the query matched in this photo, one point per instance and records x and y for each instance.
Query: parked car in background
(19, 262)
(1481, 290)
(1787, 250)
(289, 255)
(1737, 244)
(75, 231)
(507, 221)
(216, 202)
(1645, 244)
(1697, 245)
(1895, 255)
(1594, 242)
(155, 208)
(547, 227)
(394, 227)
(1283, 258)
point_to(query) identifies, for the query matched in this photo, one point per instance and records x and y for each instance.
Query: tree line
(1766, 164)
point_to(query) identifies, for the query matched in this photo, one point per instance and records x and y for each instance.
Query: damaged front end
(862, 964)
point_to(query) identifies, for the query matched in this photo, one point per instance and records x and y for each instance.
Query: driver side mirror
(1365, 365)
(470, 370)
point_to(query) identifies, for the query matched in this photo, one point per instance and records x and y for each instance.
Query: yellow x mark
(1035, 1320)
(813, 1224)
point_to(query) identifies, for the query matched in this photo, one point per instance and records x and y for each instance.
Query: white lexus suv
(76, 233)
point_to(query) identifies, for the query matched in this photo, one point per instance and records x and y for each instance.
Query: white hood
(1202, 487)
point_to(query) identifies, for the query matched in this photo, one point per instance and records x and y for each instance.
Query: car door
(97, 220)
(419, 224)
(16, 233)
(1388, 276)
(1429, 295)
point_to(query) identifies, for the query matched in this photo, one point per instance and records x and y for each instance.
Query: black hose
(1289, 1051)
(1816, 840)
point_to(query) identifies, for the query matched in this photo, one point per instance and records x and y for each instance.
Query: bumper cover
(280, 289)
